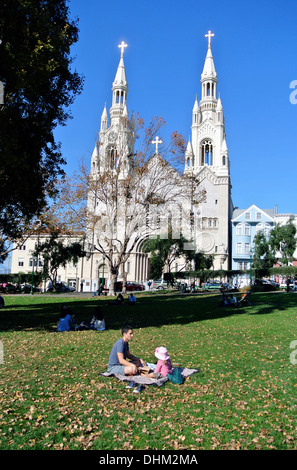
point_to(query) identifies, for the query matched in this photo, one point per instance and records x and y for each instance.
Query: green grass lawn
(244, 397)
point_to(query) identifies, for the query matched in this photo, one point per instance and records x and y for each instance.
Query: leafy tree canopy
(35, 68)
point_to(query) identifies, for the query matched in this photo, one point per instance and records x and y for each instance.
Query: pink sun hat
(162, 353)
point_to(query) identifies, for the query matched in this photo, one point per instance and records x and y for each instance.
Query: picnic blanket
(142, 379)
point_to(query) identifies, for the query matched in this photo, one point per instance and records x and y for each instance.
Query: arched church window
(224, 160)
(112, 156)
(208, 89)
(206, 152)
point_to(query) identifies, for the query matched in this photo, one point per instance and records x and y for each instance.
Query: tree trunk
(113, 280)
(124, 277)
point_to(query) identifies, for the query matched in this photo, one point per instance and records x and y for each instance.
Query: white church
(206, 158)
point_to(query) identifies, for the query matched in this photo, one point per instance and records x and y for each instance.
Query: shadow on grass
(42, 314)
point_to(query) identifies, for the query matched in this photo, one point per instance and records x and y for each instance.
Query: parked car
(130, 286)
(212, 285)
(60, 287)
(225, 287)
(26, 288)
(134, 286)
(283, 284)
(159, 284)
(263, 285)
(11, 288)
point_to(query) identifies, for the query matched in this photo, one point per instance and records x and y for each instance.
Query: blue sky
(255, 54)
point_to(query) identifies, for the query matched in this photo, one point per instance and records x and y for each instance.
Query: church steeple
(104, 119)
(208, 80)
(119, 87)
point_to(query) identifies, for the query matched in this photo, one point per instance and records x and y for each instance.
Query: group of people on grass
(122, 362)
(229, 300)
(121, 301)
(67, 321)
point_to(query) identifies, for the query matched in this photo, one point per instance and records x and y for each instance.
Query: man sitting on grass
(132, 299)
(121, 361)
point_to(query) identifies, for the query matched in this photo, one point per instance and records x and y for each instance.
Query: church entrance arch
(103, 273)
(142, 262)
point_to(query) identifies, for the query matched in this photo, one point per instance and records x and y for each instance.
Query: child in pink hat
(163, 366)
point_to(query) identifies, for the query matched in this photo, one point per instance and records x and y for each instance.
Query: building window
(246, 248)
(206, 152)
(112, 157)
(239, 265)
(21, 262)
(239, 229)
(258, 215)
(238, 248)
(247, 229)
(247, 215)
(258, 228)
(22, 247)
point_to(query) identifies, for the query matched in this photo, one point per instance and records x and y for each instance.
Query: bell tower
(207, 157)
(116, 137)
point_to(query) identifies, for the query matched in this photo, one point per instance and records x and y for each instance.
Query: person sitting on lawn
(121, 361)
(132, 299)
(232, 300)
(98, 322)
(119, 300)
(66, 322)
(163, 367)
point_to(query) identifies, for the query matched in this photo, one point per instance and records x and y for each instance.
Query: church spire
(119, 87)
(209, 76)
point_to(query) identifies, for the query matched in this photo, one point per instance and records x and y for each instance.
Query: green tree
(164, 252)
(283, 240)
(55, 253)
(264, 256)
(203, 261)
(40, 85)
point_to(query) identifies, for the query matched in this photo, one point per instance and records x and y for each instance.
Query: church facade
(206, 158)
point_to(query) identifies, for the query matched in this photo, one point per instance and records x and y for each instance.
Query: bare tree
(130, 196)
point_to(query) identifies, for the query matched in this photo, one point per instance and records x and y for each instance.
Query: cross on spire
(157, 141)
(209, 35)
(123, 45)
